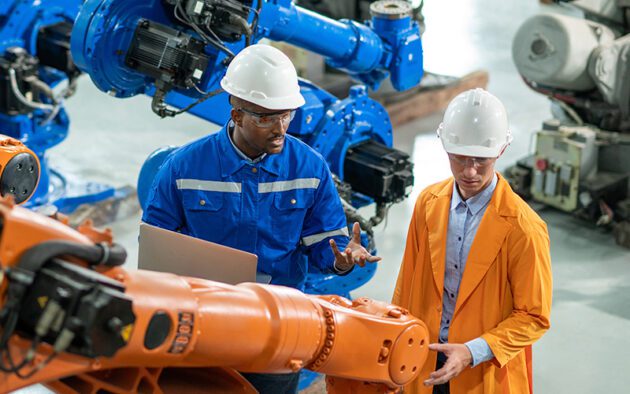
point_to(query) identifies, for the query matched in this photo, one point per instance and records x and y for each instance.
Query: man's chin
(275, 148)
(469, 188)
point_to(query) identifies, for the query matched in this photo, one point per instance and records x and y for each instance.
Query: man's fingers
(356, 233)
(333, 246)
(442, 375)
(438, 377)
(440, 380)
(438, 347)
(439, 373)
(335, 249)
(373, 259)
(454, 365)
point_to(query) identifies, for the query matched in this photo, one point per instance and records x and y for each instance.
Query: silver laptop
(167, 251)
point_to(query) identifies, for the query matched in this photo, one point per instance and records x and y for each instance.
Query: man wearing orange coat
(476, 267)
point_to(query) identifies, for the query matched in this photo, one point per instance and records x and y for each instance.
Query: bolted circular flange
(391, 9)
(20, 177)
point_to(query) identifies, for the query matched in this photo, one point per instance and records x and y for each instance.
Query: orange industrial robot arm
(74, 320)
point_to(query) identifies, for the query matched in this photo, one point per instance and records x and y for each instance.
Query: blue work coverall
(283, 208)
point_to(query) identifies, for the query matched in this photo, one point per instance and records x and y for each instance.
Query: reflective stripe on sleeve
(283, 186)
(209, 186)
(315, 238)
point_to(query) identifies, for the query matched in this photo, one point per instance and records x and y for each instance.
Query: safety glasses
(268, 120)
(477, 162)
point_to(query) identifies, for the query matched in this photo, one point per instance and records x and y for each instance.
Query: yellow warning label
(42, 301)
(125, 333)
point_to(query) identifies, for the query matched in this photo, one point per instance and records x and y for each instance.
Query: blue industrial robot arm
(389, 43)
(177, 51)
(35, 64)
(106, 30)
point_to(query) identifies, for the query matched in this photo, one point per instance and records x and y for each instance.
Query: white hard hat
(263, 75)
(475, 124)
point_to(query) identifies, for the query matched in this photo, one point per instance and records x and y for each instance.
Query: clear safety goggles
(466, 161)
(268, 120)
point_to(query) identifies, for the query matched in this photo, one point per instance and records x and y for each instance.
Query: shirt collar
(230, 130)
(233, 159)
(477, 202)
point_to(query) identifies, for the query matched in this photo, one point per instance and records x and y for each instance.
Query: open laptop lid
(168, 251)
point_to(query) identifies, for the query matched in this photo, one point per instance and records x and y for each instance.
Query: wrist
(470, 360)
(343, 267)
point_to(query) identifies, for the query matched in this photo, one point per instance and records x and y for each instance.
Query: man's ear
(237, 117)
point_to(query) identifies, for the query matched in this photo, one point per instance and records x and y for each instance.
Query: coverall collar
(230, 130)
(232, 162)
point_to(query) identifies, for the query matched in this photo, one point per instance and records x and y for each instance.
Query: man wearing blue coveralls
(253, 187)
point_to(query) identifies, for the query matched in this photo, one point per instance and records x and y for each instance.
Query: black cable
(28, 357)
(25, 360)
(256, 18)
(35, 257)
(254, 26)
(37, 367)
(201, 100)
(160, 108)
(221, 45)
(245, 27)
(8, 329)
(183, 18)
(19, 281)
(7, 332)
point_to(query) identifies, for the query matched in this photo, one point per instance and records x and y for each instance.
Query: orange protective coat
(504, 296)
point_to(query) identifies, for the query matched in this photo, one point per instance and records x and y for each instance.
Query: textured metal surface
(390, 9)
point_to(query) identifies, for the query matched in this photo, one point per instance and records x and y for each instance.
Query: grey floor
(586, 350)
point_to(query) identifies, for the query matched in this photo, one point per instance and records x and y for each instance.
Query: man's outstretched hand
(355, 253)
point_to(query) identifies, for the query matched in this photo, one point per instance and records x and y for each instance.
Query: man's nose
(470, 170)
(280, 127)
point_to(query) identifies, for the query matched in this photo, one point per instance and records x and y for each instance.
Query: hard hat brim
(472, 150)
(279, 103)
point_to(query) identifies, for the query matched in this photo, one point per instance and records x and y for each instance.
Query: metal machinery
(581, 162)
(19, 170)
(36, 76)
(72, 319)
(177, 51)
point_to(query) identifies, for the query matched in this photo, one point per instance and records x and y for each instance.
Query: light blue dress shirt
(463, 222)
